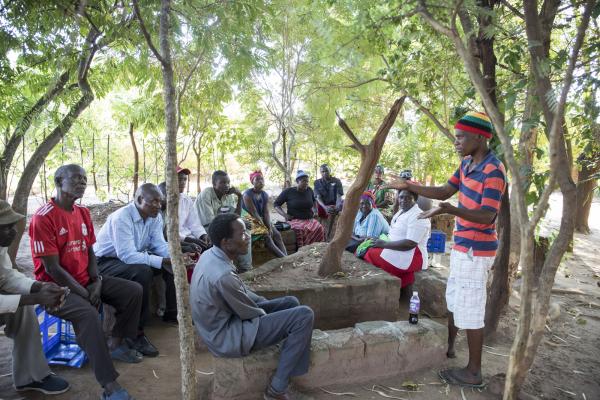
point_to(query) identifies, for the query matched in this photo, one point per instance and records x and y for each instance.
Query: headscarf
(476, 122)
(255, 174)
(370, 196)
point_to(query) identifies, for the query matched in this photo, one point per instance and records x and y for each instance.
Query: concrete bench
(370, 350)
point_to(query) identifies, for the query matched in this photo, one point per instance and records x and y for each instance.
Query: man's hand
(331, 210)
(190, 258)
(166, 265)
(442, 208)
(51, 295)
(234, 190)
(94, 289)
(191, 247)
(205, 240)
(396, 183)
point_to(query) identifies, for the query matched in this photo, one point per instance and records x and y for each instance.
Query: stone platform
(363, 293)
(370, 350)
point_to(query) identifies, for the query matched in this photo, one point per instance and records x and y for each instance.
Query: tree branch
(513, 9)
(138, 14)
(432, 21)
(433, 118)
(568, 79)
(542, 205)
(472, 68)
(379, 139)
(186, 82)
(356, 144)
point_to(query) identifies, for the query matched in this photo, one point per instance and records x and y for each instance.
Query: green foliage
(230, 61)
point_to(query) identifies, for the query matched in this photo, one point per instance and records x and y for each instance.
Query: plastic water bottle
(413, 309)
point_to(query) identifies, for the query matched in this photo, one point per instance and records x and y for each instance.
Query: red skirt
(407, 276)
(307, 231)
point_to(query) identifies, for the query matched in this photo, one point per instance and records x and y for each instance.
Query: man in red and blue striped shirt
(480, 182)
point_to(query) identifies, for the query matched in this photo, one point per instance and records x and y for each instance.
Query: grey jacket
(12, 284)
(224, 310)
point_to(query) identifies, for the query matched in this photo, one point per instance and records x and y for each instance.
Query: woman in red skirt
(406, 251)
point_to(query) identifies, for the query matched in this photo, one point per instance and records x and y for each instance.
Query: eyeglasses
(153, 202)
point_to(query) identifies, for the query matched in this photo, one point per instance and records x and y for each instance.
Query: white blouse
(405, 225)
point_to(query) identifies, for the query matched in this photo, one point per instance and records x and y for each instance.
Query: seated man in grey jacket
(18, 294)
(233, 321)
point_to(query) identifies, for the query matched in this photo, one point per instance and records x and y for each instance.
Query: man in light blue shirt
(131, 245)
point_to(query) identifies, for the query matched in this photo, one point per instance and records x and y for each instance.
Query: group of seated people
(76, 270)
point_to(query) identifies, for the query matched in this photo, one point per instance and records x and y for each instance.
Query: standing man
(61, 238)
(18, 294)
(222, 198)
(329, 192)
(131, 246)
(480, 181)
(233, 321)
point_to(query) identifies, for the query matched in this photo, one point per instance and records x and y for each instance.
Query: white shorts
(466, 289)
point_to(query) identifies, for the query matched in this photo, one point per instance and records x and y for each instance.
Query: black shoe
(143, 345)
(51, 384)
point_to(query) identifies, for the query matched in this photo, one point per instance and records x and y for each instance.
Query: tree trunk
(520, 354)
(94, 163)
(23, 125)
(186, 333)
(537, 282)
(37, 159)
(80, 150)
(136, 159)
(197, 152)
(586, 183)
(143, 158)
(108, 164)
(499, 293)
(369, 155)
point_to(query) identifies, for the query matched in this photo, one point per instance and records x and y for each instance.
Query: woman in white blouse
(406, 251)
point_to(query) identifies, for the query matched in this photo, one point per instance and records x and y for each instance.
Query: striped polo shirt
(480, 188)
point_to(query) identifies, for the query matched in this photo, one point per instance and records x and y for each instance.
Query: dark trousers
(143, 275)
(126, 298)
(286, 320)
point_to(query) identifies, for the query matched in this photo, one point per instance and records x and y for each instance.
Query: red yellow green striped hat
(476, 122)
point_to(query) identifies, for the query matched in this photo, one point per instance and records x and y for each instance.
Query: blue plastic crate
(58, 340)
(436, 242)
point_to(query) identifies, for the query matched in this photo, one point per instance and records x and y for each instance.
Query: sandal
(125, 354)
(447, 376)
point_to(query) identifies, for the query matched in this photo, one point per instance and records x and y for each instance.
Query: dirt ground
(567, 365)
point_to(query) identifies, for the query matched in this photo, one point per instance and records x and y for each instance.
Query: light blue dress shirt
(126, 236)
(372, 226)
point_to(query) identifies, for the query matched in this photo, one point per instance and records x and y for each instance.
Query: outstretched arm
(443, 192)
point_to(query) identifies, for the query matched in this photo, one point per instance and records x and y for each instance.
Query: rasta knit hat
(476, 122)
